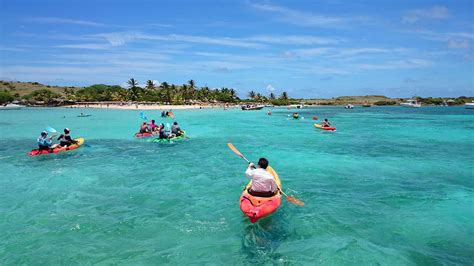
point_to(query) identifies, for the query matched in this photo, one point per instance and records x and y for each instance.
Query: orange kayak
(324, 128)
(36, 152)
(146, 134)
(256, 208)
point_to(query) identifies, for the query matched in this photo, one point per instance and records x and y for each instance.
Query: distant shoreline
(140, 106)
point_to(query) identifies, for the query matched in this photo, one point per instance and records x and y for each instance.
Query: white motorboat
(469, 105)
(349, 106)
(411, 103)
(11, 106)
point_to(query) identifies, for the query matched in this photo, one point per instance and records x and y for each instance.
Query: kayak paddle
(143, 116)
(288, 198)
(52, 130)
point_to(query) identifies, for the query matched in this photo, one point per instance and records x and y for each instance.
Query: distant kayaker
(296, 115)
(163, 114)
(65, 139)
(176, 129)
(45, 143)
(263, 183)
(144, 128)
(269, 112)
(326, 123)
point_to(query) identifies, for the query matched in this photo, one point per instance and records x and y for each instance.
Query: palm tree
(167, 97)
(233, 94)
(184, 92)
(134, 93)
(284, 96)
(150, 85)
(204, 93)
(132, 83)
(192, 84)
(252, 95)
(272, 96)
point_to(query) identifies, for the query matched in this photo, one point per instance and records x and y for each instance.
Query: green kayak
(171, 139)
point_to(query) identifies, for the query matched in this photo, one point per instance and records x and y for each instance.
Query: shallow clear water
(392, 186)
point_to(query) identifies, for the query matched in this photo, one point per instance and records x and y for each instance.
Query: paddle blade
(143, 116)
(294, 200)
(170, 114)
(231, 146)
(52, 130)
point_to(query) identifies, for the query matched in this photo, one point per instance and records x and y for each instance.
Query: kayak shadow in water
(262, 239)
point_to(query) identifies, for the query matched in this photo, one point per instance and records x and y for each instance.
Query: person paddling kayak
(176, 129)
(65, 139)
(144, 128)
(263, 183)
(326, 123)
(153, 126)
(164, 134)
(45, 143)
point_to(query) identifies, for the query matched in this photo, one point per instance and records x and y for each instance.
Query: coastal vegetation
(34, 93)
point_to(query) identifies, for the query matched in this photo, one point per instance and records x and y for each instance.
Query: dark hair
(263, 163)
(325, 119)
(175, 123)
(153, 121)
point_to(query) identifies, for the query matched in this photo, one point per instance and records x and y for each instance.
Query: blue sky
(308, 48)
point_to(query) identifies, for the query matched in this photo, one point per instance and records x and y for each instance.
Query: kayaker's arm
(249, 171)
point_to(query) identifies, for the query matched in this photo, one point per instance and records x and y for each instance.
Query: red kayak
(324, 128)
(146, 134)
(36, 152)
(256, 208)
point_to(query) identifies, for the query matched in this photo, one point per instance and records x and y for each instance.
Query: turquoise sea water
(393, 186)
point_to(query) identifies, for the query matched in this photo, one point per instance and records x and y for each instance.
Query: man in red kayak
(45, 142)
(326, 123)
(263, 183)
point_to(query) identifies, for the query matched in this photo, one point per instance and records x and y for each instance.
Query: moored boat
(411, 103)
(251, 107)
(11, 106)
(469, 105)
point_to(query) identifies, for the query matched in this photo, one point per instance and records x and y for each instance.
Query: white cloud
(435, 12)
(294, 40)
(161, 25)
(90, 46)
(310, 51)
(399, 64)
(300, 18)
(55, 20)
(332, 52)
(11, 49)
(120, 38)
(458, 44)
(270, 88)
